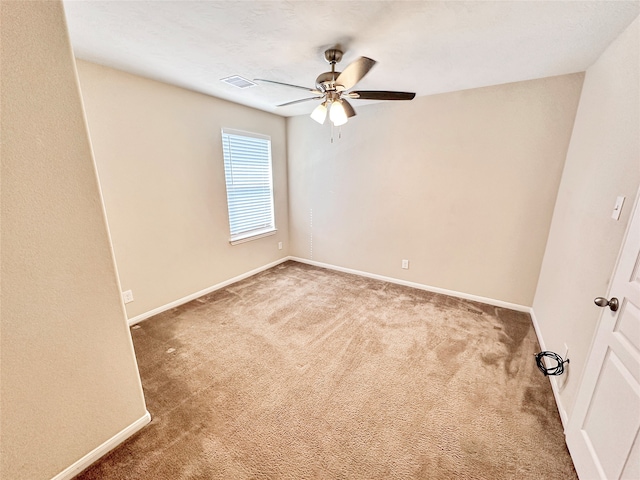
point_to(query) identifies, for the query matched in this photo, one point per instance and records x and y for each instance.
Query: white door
(603, 430)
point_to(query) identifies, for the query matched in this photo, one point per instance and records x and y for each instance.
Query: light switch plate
(617, 208)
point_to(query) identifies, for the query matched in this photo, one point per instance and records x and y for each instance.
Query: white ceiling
(426, 47)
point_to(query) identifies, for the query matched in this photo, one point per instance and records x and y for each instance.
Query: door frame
(580, 451)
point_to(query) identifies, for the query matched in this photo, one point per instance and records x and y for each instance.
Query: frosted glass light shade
(337, 114)
(319, 113)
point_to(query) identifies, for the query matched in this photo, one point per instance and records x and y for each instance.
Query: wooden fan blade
(354, 72)
(348, 109)
(312, 90)
(382, 95)
(298, 101)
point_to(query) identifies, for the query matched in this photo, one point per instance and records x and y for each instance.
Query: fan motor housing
(327, 81)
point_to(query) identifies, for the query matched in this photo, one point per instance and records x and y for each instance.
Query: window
(247, 170)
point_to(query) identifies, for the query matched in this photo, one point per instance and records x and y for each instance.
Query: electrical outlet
(279, 245)
(405, 264)
(127, 296)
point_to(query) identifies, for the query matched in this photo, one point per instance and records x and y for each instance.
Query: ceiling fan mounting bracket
(333, 55)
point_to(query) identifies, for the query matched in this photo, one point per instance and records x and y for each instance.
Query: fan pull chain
(339, 133)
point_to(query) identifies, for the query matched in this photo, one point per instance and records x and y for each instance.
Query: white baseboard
(452, 293)
(554, 381)
(103, 449)
(420, 286)
(193, 296)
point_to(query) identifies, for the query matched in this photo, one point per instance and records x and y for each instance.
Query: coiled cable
(558, 369)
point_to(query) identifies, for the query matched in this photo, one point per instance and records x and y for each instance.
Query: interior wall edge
(100, 451)
(555, 386)
(200, 293)
(420, 286)
(105, 220)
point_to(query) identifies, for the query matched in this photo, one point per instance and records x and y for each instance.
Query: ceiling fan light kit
(331, 87)
(319, 113)
(337, 115)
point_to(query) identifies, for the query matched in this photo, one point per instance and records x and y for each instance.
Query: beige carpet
(304, 373)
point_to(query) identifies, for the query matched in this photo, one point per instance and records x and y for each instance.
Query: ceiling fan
(332, 88)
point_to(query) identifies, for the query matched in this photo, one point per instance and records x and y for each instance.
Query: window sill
(247, 237)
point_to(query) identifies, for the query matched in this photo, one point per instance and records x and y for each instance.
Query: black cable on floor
(558, 369)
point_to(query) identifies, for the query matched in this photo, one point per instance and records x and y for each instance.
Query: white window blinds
(247, 168)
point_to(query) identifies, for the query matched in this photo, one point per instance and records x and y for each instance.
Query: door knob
(603, 302)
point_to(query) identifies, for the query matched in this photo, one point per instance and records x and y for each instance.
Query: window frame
(253, 233)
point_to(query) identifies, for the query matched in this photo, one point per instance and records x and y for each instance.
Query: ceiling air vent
(238, 81)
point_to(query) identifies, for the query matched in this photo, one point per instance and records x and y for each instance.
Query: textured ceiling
(426, 47)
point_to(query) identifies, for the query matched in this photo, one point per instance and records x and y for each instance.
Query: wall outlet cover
(127, 296)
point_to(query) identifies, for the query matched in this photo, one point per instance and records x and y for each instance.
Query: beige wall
(159, 155)
(603, 162)
(69, 377)
(461, 184)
